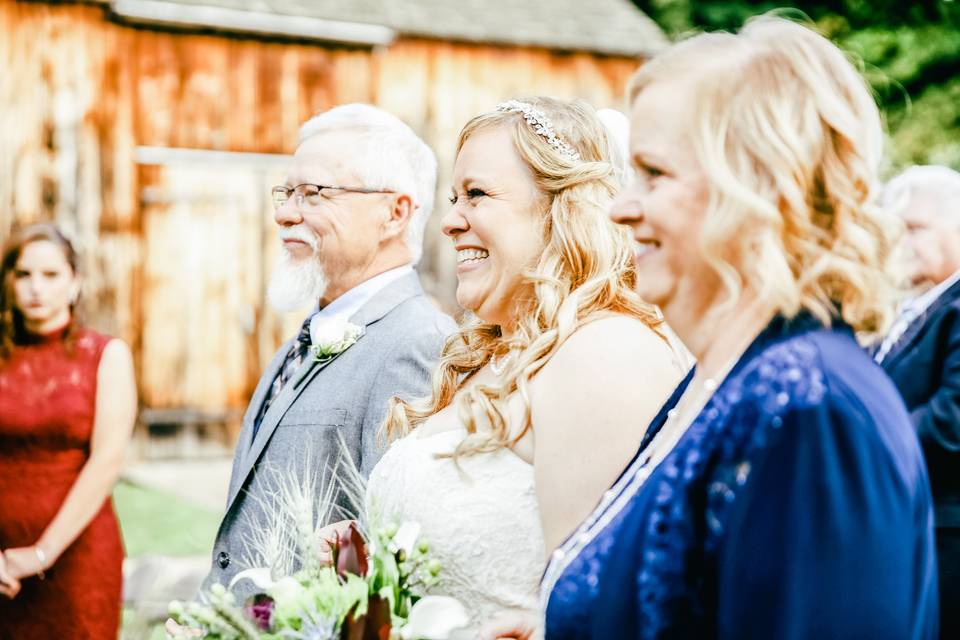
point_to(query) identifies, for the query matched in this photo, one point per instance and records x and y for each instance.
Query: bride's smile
(468, 258)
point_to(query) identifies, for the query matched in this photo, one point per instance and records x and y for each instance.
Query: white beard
(296, 284)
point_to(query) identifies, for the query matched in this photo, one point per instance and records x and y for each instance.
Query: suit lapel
(260, 394)
(244, 440)
(915, 331)
(387, 299)
(381, 304)
(279, 407)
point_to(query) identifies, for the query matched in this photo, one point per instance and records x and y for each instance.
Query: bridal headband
(541, 126)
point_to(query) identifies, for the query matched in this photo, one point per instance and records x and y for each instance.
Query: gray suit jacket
(346, 397)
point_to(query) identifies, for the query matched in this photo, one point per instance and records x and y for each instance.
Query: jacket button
(223, 559)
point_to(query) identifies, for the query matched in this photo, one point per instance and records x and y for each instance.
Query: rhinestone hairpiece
(541, 126)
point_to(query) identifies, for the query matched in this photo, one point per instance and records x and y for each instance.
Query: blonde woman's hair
(790, 139)
(585, 269)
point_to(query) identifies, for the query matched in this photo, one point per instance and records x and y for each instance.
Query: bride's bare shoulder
(614, 335)
(611, 347)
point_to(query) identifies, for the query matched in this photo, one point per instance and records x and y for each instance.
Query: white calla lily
(259, 576)
(287, 589)
(435, 618)
(406, 537)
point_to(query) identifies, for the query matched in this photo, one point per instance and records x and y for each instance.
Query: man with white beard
(351, 213)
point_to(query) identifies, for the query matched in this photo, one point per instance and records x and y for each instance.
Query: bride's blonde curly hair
(585, 269)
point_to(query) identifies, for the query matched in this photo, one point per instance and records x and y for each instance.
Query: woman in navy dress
(781, 493)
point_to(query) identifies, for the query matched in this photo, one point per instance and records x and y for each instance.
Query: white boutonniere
(328, 340)
(333, 337)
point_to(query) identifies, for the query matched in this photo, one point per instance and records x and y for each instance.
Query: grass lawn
(134, 629)
(157, 523)
(154, 522)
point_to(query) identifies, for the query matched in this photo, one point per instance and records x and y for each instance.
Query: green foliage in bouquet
(359, 582)
(366, 586)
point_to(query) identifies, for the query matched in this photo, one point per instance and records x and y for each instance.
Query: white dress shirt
(350, 302)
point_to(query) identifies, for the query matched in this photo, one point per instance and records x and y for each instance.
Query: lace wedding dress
(481, 519)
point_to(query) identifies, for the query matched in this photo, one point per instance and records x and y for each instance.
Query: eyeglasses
(308, 196)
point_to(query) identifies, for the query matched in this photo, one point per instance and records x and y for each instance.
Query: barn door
(209, 244)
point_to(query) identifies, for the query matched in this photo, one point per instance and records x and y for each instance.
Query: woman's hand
(518, 624)
(9, 586)
(175, 630)
(23, 562)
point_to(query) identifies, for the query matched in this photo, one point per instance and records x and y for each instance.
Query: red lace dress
(47, 400)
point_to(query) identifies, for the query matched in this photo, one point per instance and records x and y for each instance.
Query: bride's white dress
(481, 520)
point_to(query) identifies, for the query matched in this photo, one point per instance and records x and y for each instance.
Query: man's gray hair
(389, 156)
(940, 184)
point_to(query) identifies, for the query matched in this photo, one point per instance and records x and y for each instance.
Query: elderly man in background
(922, 354)
(351, 214)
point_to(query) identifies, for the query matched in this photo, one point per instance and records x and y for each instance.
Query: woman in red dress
(67, 405)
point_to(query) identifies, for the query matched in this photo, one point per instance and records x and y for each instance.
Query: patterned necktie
(291, 362)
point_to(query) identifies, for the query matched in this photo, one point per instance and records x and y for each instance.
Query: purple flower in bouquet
(259, 610)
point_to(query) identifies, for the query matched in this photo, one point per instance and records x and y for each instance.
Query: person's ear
(402, 208)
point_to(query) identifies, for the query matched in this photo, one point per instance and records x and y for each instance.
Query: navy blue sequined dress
(796, 505)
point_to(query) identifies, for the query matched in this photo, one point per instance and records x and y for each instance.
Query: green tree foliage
(910, 52)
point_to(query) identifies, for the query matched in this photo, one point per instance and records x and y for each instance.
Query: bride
(535, 407)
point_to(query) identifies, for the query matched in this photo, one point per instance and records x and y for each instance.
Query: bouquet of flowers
(361, 589)
(360, 582)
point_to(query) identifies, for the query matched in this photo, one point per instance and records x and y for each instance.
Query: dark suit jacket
(925, 365)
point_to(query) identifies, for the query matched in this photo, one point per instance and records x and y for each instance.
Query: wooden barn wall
(176, 255)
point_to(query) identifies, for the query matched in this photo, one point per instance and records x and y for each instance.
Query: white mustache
(299, 232)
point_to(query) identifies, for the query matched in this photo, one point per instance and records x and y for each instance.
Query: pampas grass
(298, 508)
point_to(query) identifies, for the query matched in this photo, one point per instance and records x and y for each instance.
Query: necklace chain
(683, 414)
